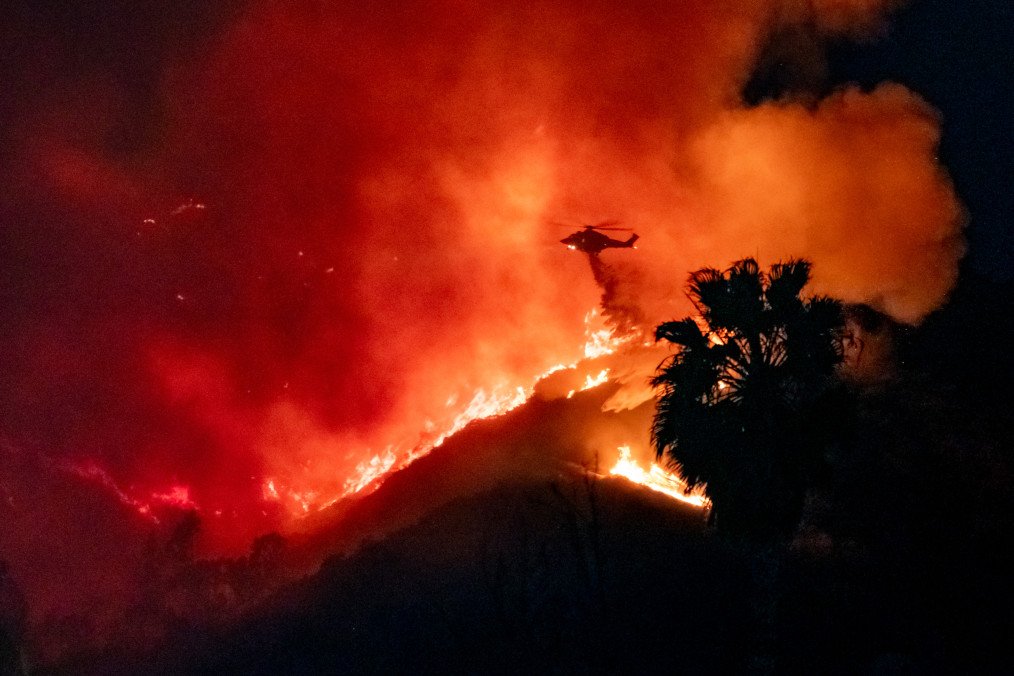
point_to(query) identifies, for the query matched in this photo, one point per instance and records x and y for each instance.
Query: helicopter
(591, 241)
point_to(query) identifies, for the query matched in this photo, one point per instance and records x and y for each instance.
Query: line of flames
(599, 341)
(658, 479)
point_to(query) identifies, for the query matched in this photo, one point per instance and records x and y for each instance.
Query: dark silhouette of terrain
(568, 576)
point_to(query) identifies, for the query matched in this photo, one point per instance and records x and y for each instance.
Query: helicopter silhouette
(591, 241)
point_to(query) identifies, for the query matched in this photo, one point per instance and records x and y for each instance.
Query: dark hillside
(535, 442)
(577, 575)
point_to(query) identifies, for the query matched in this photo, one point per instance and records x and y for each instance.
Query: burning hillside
(312, 246)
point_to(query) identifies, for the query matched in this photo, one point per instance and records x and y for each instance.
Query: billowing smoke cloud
(327, 230)
(850, 183)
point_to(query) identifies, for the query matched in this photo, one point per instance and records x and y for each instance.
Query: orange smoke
(851, 184)
(371, 265)
(404, 161)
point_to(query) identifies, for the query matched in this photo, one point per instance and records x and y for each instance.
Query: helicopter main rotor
(602, 225)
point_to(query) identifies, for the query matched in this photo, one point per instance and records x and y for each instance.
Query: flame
(486, 405)
(600, 340)
(300, 500)
(176, 496)
(302, 494)
(591, 381)
(370, 473)
(657, 479)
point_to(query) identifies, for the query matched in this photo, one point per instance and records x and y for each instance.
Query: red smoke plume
(336, 235)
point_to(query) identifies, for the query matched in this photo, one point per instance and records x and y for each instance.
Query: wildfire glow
(364, 239)
(591, 381)
(600, 341)
(657, 479)
(300, 499)
(368, 471)
(176, 496)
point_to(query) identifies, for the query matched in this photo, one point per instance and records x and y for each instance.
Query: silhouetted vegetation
(737, 405)
(899, 562)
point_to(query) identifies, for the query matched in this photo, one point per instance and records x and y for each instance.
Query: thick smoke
(850, 183)
(320, 228)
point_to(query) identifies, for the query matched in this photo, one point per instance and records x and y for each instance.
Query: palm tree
(736, 404)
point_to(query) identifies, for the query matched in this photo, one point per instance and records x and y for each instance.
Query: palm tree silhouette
(736, 404)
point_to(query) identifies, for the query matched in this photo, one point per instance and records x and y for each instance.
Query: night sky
(952, 53)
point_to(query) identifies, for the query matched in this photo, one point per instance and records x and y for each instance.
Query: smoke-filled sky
(267, 241)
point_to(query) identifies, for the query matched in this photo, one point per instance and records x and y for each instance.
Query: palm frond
(746, 295)
(683, 332)
(708, 290)
(825, 312)
(786, 282)
(745, 267)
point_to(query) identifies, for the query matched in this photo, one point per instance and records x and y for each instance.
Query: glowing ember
(189, 205)
(269, 491)
(657, 479)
